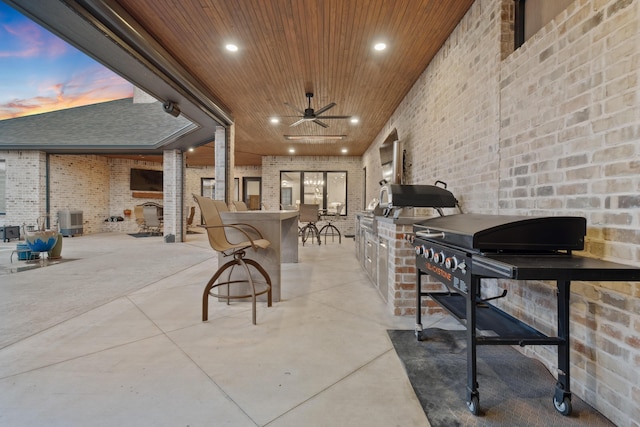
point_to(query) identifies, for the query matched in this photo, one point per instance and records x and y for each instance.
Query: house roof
(120, 125)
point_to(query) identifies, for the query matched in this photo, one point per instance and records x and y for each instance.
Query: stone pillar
(224, 144)
(174, 221)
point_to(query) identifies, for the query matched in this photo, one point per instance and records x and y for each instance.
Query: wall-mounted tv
(146, 180)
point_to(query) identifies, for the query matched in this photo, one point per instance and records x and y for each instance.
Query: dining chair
(152, 221)
(138, 213)
(216, 232)
(192, 213)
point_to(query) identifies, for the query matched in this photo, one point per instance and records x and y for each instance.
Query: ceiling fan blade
(324, 125)
(294, 108)
(325, 108)
(298, 122)
(336, 117)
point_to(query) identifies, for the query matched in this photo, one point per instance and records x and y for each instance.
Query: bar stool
(309, 214)
(257, 281)
(329, 229)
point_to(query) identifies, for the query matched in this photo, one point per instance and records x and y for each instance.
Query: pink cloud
(58, 98)
(31, 41)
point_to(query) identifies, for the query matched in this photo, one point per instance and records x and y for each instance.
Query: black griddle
(461, 250)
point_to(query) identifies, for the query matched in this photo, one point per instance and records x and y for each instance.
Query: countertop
(403, 220)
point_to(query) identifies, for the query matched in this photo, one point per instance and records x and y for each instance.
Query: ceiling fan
(309, 115)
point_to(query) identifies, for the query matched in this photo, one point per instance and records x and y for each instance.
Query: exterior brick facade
(550, 129)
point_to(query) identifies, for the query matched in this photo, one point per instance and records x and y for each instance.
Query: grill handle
(430, 235)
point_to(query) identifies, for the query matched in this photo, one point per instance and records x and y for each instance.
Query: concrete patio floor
(113, 336)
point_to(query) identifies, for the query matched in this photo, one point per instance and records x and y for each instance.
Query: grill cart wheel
(474, 405)
(563, 407)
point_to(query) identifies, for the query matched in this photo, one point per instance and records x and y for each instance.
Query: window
(3, 187)
(327, 189)
(208, 187)
(532, 15)
(252, 192)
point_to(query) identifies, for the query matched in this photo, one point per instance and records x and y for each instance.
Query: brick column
(224, 160)
(173, 189)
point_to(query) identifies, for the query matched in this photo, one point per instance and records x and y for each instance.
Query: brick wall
(82, 183)
(96, 185)
(193, 186)
(25, 194)
(551, 129)
(240, 172)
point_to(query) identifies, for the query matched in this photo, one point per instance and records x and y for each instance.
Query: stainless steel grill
(394, 197)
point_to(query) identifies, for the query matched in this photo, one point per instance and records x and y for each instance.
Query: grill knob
(419, 250)
(429, 253)
(451, 263)
(463, 267)
(438, 258)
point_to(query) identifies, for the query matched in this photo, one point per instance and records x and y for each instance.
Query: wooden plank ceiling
(290, 47)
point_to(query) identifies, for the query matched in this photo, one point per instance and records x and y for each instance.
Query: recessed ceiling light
(274, 120)
(380, 46)
(191, 150)
(354, 120)
(231, 47)
(291, 150)
(344, 151)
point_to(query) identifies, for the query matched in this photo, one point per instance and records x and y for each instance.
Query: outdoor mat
(144, 235)
(514, 390)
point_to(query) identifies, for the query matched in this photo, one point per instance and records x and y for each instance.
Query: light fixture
(314, 137)
(380, 46)
(231, 47)
(292, 150)
(191, 149)
(274, 120)
(344, 151)
(354, 120)
(171, 107)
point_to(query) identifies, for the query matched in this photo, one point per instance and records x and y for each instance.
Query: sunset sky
(39, 72)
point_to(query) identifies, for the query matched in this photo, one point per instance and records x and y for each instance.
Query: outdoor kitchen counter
(278, 227)
(387, 258)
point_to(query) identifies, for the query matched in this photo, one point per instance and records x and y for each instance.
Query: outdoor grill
(395, 197)
(460, 250)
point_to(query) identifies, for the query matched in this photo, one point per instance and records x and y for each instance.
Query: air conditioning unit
(70, 222)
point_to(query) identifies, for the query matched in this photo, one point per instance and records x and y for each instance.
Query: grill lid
(417, 196)
(504, 232)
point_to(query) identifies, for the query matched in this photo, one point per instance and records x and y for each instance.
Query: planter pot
(41, 241)
(55, 252)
